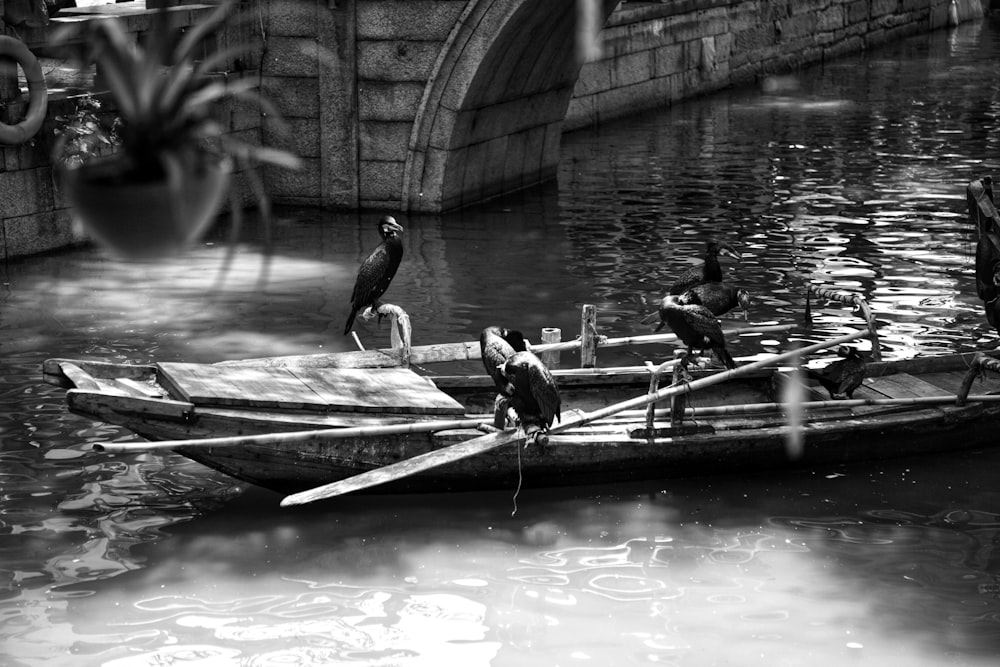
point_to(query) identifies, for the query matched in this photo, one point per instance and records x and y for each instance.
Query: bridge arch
(490, 118)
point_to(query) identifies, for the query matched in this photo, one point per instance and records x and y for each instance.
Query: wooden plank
(138, 388)
(385, 390)
(99, 403)
(903, 385)
(204, 384)
(78, 376)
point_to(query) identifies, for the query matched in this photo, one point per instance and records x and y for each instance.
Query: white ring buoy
(38, 95)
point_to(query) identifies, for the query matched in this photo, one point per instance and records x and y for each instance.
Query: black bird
(709, 270)
(841, 377)
(496, 346)
(718, 297)
(696, 327)
(533, 392)
(377, 271)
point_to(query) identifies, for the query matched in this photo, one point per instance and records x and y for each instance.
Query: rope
(520, 478)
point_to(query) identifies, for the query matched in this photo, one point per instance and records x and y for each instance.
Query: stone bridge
(431, 105)
(425, 105)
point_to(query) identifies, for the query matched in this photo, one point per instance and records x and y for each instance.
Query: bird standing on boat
(496, 346)
(718, 297)
(533, 393)
(710, 269)
(378, 270)
(696, 327)
(841, 377)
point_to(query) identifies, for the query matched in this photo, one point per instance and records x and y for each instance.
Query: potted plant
(171, 171)
(81, 134)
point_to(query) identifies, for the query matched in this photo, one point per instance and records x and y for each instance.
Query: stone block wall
(656, 53)
(398, 42)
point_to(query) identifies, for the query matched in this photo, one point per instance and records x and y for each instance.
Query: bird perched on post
(718, 297)
(533, 393)
(378, 270)
(709, 270)
(696, 327)
(840, 378)
(496, 346)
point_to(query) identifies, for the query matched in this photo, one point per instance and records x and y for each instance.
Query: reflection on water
(851, 175)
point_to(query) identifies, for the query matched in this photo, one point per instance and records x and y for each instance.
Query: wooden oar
(485, 443)
(291, 437)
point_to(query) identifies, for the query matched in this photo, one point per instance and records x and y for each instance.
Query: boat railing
(850, 299)
(980, 363)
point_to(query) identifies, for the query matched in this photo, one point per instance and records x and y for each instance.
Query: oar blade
(406, 467)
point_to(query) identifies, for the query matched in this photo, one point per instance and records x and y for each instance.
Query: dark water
(850, 175)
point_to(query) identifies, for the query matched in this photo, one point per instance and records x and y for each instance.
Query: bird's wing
(495, 351)
(374, 276)
(704, 323)
(545, 392)
(693, 276)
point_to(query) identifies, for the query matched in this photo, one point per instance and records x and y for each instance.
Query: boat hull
(716, 437)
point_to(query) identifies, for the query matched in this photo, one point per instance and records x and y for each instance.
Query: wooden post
(399, 331)
(588, 336)
(654, 386)
(678, 403)
(551, 335)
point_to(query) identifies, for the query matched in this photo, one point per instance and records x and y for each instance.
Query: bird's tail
(350, 321)
(724, 356)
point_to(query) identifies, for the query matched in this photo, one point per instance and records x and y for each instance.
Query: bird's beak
(390, 225)
(730, 251)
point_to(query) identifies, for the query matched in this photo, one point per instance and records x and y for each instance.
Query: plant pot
(145, 220)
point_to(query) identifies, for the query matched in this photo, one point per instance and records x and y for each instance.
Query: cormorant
(496, 346)
(718, 297)
(696, 327)
(709, 271)
(533, 392)
(378, 269)
(841, 377)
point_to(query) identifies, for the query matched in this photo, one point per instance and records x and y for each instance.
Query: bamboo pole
(750, 408)
(291, 437)
(762, 408)
(439, 457)
(464, 351)
(323, 435)
(849, 299)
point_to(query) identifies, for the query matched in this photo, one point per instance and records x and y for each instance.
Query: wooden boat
(295, 423)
